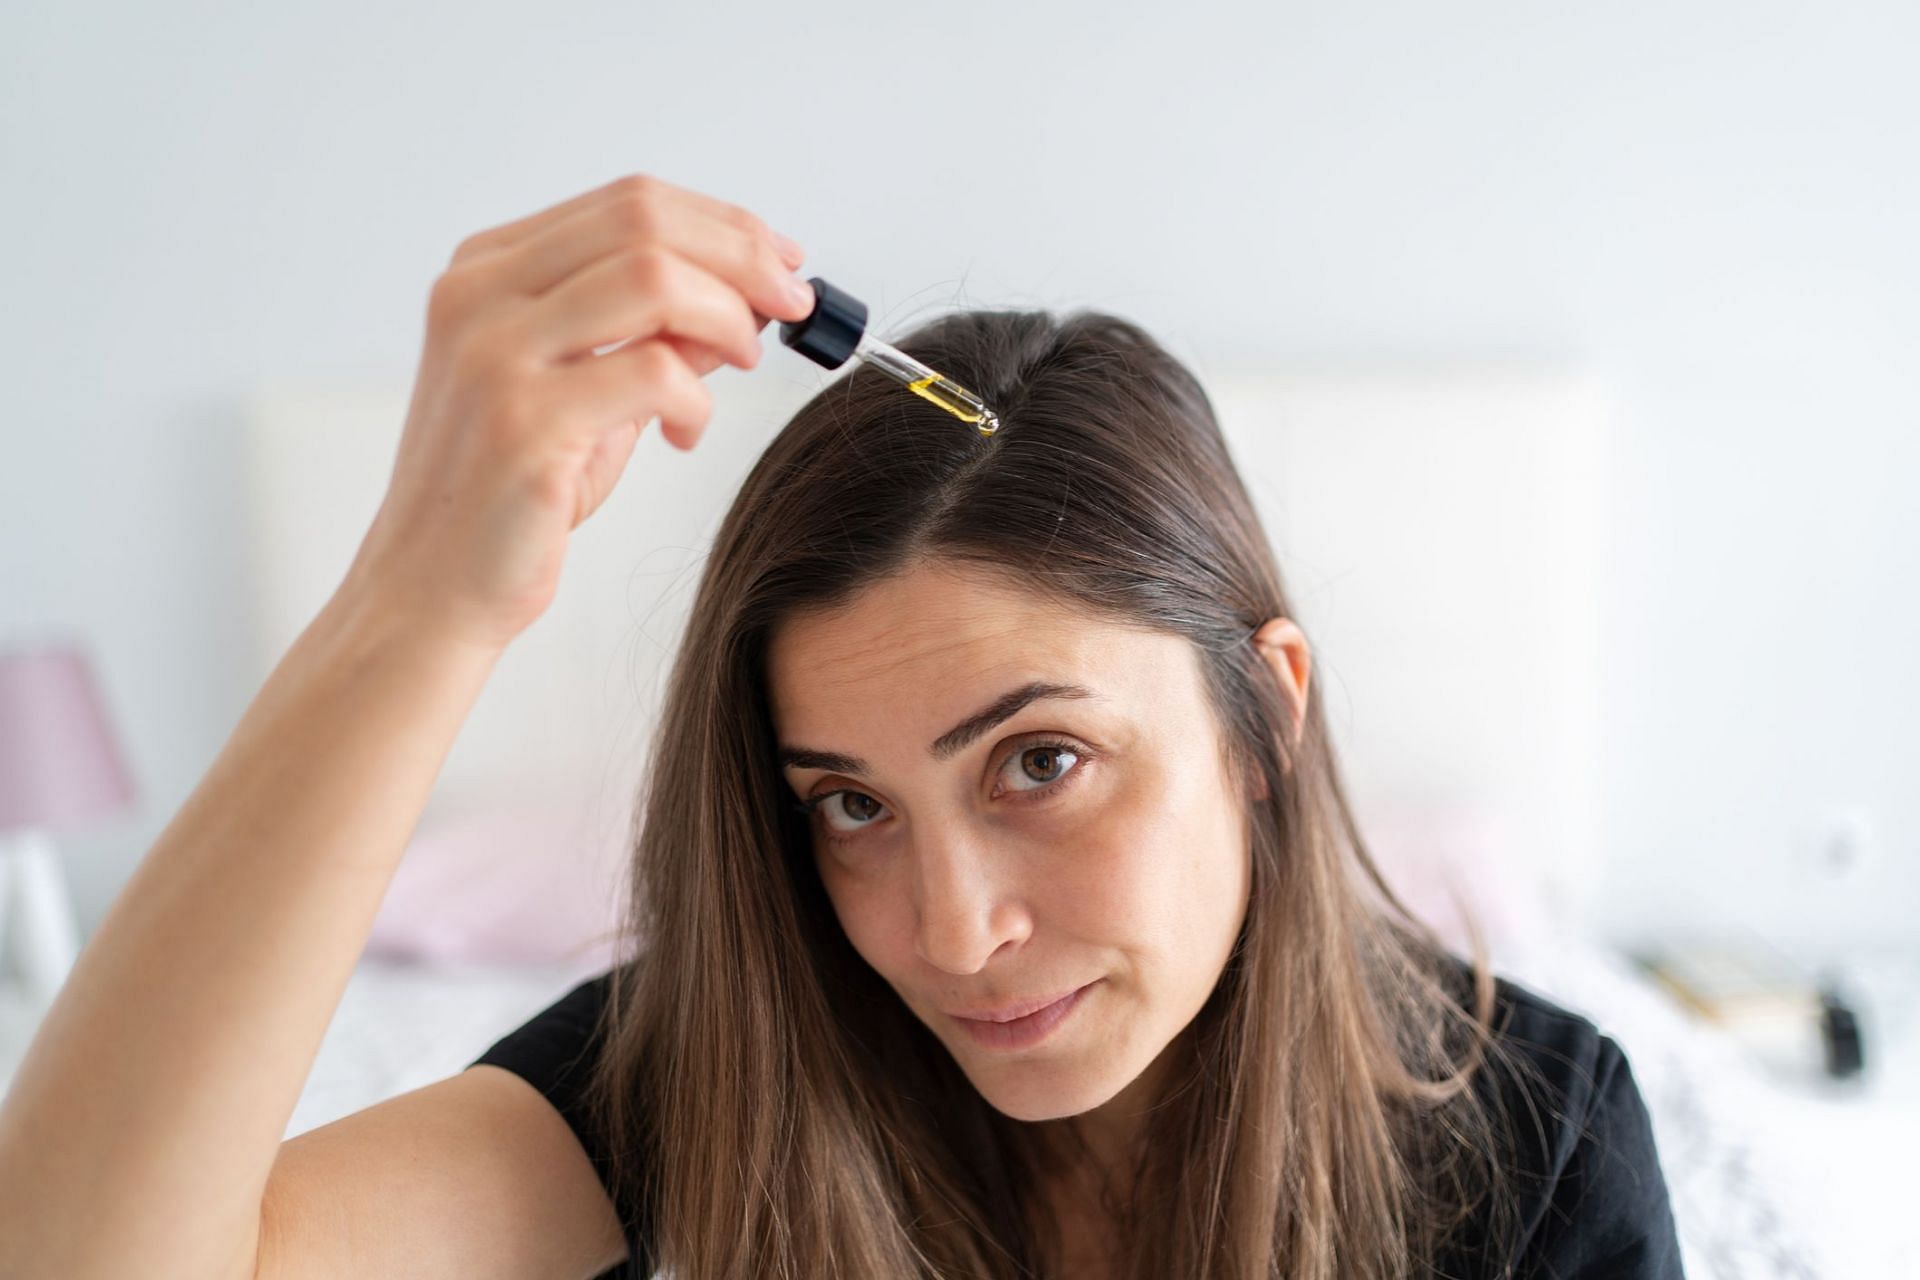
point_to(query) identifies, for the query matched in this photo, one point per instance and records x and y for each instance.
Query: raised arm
(139, 1133)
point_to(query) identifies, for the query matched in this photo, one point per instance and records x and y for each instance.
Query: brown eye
(1040, 760)
(844, 804)
(1043, 765)
(852, 802)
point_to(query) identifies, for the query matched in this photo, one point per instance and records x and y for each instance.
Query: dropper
(837, 328)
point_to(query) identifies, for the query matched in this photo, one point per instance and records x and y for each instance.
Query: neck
(1094, 1156)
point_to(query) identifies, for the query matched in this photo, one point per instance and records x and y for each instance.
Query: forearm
(140, 1130)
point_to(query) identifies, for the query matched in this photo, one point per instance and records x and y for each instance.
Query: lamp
(60, 767)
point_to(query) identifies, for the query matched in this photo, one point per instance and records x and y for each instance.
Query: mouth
(1012, 1009)
(1030, 1023)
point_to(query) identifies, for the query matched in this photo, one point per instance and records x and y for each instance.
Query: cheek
(1162, 871)
(874, 917)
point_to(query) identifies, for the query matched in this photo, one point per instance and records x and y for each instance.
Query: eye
(857, 805)
(1040, 767)
(1040, 763)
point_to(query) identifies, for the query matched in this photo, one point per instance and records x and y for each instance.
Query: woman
(997, 908)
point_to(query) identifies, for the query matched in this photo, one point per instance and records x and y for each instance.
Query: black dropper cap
(831, 330)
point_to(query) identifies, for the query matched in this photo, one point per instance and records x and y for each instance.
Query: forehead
(927, 640)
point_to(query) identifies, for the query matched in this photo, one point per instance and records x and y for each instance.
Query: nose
(968, 909)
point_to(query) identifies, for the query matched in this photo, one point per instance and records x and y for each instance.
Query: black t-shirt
(1593, 1200)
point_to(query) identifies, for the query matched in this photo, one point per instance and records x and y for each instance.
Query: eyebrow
(953, 740)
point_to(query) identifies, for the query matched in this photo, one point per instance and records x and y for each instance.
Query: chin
(1035, 1090)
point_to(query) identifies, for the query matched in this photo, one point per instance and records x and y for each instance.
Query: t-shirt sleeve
(1609, 1214)
(554, 1051)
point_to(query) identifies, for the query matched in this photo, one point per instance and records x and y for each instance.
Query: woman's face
(1030, 802)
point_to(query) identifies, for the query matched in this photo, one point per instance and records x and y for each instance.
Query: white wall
(1708, 205)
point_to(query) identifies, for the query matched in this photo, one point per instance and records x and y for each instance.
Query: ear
(1283, 647)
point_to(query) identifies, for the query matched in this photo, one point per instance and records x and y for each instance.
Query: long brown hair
(774, 1109)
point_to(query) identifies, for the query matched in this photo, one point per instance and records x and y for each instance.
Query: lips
(1023, 1031)
(1016, 1009)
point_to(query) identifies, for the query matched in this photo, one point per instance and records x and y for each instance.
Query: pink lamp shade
(60, 761)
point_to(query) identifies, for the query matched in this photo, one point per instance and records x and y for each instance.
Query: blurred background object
(60, 769)
(1567, 352)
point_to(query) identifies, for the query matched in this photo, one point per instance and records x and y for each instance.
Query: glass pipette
(836, 328)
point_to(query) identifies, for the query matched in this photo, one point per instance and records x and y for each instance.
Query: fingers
(701, 358)
(645, 291)
(727, 241)
(510, 233)
(636, 382)
(627, 185)
(679, 282)
(494, 238)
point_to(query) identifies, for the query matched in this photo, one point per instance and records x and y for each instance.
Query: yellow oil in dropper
(929, 384)
(956, 400)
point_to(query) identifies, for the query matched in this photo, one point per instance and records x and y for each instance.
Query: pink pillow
(513, 881)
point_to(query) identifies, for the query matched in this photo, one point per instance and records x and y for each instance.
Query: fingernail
(800, 291)
(789, 247)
